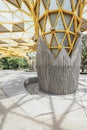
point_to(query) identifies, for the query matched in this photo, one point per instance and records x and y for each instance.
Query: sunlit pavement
(21, 110)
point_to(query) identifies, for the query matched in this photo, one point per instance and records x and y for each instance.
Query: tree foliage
(84, 52)
(13, 63)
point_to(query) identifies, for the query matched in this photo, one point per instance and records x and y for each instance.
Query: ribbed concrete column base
(60, 75)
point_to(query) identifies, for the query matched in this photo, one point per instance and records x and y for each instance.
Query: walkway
(20, 110)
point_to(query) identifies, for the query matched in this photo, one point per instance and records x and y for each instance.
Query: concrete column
(60, 75)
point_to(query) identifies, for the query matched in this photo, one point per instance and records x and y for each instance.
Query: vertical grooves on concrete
(60, 75)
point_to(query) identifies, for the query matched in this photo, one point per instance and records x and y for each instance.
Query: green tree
(4, 64)
(23, 63)
(84, 52)
(13, 63)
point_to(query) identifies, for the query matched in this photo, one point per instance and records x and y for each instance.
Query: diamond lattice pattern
(59, 23)
(84, 18)
(16, 27)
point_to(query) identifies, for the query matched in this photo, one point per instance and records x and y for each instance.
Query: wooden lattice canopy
(16, 27)
(59, 22)
(84, 18)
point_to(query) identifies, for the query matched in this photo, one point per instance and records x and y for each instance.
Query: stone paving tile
(32, 106)
(2, 95)
(35, 127)
(23, 111)
(70, 121)
(12, 117)
(35, 108)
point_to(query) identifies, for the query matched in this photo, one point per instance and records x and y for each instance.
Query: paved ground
(20, 110)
